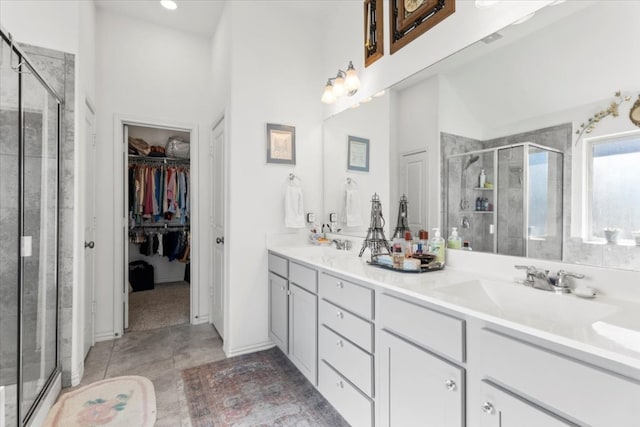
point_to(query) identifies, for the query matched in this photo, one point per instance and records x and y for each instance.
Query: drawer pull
(340, 384)
(450, 384)
(339, 343)
(487, 408)
(340, 315)
(340, 285)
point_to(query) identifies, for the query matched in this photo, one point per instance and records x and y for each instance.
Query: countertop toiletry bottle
(466, 245)
(408, 244)
(423, 243)
(437, 246)
(482, 179)
(455, 241)
(398, 256)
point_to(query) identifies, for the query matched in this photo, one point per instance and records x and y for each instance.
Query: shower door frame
(525, 182)
(23, 60)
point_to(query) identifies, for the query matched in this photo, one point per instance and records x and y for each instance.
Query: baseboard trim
(200, 320)
(77, 374)
(105, 336)
(249, 349)
(41, 413)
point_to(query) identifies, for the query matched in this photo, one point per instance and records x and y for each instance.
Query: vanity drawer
(585, 392)
(355, 298)
(431, 329)
(279, 265)
(304, 277)
(352, 362)
(346, 324)
(355, 407)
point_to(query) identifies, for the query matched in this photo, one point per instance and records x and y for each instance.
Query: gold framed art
(373, 31)
(411, 18)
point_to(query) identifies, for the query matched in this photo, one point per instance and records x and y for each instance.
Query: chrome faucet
(343, 245)
(541, 279)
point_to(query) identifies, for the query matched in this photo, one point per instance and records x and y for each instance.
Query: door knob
(450, 384)
(487, 408)
(89, 245)
(220, 240)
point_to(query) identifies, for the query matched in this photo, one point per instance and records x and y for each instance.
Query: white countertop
(603, 326)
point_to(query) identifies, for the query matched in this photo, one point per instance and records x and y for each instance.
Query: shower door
(29, 140)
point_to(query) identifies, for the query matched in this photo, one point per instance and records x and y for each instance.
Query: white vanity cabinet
(418, 386)
(293, 313)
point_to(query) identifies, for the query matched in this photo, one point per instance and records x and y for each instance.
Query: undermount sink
(519, 302)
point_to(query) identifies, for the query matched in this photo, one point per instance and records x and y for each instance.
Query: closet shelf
(137, 158)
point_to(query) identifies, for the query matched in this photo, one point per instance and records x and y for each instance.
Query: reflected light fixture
(483, 4)
(344, 83)
(169, 4)
(523, 19)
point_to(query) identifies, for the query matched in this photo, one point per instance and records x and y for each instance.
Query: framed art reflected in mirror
(373, 26)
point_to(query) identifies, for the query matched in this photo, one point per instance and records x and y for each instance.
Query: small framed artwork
(281, 144)
(358, 154)
(373, 21)
(411, 18)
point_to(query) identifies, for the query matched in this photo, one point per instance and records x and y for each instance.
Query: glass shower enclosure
(518, 209)
(29, 142)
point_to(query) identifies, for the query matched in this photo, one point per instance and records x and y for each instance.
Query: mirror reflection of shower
(515, 208)
(464, 202)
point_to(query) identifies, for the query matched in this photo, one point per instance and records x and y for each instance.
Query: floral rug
(114, 402)
(258, 389)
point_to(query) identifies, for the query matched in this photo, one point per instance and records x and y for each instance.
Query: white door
(89, 226)
(216, 232)
(414, 184)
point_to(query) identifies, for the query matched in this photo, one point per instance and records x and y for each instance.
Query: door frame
(120, 248)
(88, 107)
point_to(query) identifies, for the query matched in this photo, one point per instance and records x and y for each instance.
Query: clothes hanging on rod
(159, 192)
(174, 244)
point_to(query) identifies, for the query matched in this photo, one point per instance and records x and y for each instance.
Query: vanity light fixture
(169, 4)
(484, 4)
(379, 94)
(344, 83)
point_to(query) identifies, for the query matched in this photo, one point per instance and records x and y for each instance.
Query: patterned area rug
(166, 305)
(258, 389)
(114, 402)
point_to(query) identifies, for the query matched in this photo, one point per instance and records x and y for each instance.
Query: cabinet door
(303, 332)
(278, 311)
(502, 409)
(418, 388)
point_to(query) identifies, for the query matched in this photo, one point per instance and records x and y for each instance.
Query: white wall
(152, 73)
(273, 67)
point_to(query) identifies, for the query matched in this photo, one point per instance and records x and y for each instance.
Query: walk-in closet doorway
(157, 213)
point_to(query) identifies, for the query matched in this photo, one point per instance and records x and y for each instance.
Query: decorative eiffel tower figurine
(375, 240)
(403, 219)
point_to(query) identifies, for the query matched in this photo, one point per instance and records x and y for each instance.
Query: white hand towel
(293, 207)
(352, 208)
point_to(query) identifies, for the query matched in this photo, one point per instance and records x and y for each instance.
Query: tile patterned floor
(160, 355)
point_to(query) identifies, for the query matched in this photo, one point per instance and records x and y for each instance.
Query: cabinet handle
(282, 288)
(340, 285)
(340, 384)
(450, 384)
(339, 343)
(340, 315)
(487, 408)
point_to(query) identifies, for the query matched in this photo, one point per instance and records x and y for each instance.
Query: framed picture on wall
(411, 18)
(358, 154)
(281, 144)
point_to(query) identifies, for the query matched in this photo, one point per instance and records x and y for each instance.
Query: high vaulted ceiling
(194, 16)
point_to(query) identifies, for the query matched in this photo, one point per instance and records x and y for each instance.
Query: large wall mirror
(489, 141)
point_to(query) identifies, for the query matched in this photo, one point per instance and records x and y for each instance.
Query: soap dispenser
(454, 241)
(437, 246)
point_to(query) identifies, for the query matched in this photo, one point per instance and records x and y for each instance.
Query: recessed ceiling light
(169, 4)
(483, 4)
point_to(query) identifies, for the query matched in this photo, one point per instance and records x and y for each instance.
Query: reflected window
(614, 185)
(538, 193)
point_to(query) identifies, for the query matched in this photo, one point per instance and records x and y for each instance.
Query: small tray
(424, 268)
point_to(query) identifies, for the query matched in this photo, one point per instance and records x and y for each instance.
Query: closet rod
(159, 226)
(134, 158)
